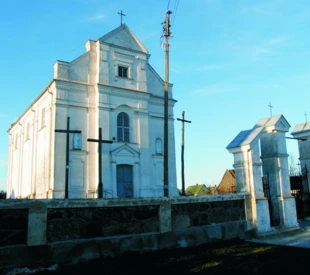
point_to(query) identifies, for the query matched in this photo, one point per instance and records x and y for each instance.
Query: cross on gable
(121, 14)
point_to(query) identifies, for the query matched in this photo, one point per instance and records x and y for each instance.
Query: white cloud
(266, 48)
(213, 67)
(277, 40)
(99, 17)
(254, 9)
(213, 90)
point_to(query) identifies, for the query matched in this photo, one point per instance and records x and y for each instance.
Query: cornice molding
(128, 94)
(72, 89)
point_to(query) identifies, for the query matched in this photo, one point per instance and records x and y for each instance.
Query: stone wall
(48, 232)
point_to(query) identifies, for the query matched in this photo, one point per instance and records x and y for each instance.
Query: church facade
(97, 129)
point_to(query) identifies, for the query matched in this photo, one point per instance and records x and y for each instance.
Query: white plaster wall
(80, 68)
(90, 107)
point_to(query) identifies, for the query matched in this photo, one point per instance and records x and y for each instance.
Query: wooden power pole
(167, 35)
(182, 155)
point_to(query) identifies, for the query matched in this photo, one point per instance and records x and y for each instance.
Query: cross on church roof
(121, 14)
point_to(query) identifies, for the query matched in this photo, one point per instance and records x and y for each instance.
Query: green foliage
(2, 195)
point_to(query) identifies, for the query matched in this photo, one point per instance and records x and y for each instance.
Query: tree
(2, 195)
(292, 166)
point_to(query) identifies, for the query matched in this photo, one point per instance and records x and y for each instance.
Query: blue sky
(229, 59)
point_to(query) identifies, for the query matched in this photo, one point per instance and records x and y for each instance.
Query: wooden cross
(121, 14)
(100, 141)
(270, 106)
(67, 132)
(306, 115)
(182, 157)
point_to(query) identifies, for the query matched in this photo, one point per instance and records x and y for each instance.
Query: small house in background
(228, 182)
(196, 190)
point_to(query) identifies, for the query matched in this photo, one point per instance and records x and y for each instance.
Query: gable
(228, 183)
(123, 37)
(275, 122)
(125, 150)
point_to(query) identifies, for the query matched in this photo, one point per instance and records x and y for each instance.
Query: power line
(176, 4)
(168, 4)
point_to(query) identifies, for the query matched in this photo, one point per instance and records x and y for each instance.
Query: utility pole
(182, 155)
(167, 35)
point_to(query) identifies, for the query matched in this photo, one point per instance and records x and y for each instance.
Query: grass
(229, 257)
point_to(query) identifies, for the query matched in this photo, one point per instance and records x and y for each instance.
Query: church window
(28, 131)
(122, 71)
(123, 127)
(77, 141)
(16, 142)
(158, 146)
(43, 118)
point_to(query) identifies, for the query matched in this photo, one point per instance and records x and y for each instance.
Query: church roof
(247, 136)
(125, 38)
(271, 121)
(302, 127)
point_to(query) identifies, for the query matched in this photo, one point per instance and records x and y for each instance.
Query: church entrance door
(124, 181)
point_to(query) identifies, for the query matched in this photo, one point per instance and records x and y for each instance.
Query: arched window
(158, 146)
(123, 127)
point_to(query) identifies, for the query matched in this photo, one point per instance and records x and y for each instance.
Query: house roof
(195, 189)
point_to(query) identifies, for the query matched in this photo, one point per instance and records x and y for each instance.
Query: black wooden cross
(121, 14)
(67, 132)
(100, 141)
(182, 157)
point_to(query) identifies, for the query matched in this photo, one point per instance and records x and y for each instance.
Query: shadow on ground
(227, 257)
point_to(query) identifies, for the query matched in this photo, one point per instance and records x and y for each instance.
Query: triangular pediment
(125, 38)
(125, 150)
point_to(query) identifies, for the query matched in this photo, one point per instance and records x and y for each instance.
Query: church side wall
(29, 156)
(43, 146)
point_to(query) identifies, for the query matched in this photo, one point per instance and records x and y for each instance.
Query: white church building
(109, 100)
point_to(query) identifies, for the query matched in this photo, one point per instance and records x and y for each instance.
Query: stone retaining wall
(48, 232)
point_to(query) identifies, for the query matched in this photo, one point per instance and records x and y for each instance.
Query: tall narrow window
(43, 118)
(123, 127)
(16, 141)
(158, 146)
(77, 141)
(122, 71)
(28, 131)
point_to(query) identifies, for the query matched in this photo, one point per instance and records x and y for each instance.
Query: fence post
(165, 216)
(37, 222)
